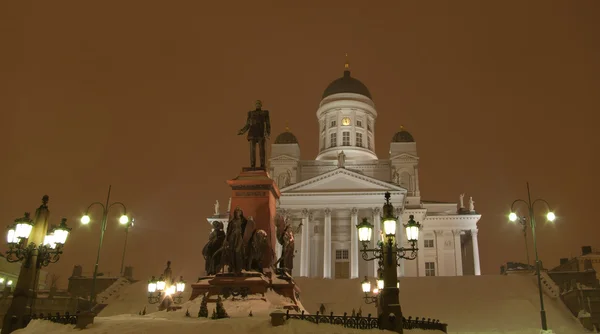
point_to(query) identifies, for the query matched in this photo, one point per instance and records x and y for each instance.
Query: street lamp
(29, 243)
(388, 255)
(550, 216)
(127, 226)
(163, 290)
(85, 219)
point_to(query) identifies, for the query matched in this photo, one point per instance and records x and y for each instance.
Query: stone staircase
(113, 289)
(548, 285)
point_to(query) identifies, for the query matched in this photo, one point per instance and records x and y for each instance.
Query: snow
(469, 304)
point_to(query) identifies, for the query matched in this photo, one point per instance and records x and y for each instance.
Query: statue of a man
(234, 242)
(258, 126)
(217, 208)
(462, 203)
(471, 204)
(168, 274)
(211, 253)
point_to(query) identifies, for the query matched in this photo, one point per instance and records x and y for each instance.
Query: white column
(439, 253)
(475, 252)
(304, 251)
(417, 191)
(354, 244)
(420, 255)
(327, 245)
(376, 235)
(457, 253)
(400, 237)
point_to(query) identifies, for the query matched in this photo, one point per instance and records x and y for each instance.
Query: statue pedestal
(256, 194)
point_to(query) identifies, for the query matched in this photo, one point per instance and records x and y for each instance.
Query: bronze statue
(257, 247)
(167, 274)
(258, 126)
(233, 247)
(285, 237)
(212, 250)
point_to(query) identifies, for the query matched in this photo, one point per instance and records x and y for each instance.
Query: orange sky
(148, 96)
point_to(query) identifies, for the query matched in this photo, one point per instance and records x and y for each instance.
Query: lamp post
(123, 220)
(160, 287)
(523, 222)
(129, 224)
(28, 243)
(513, 217)
(388, 255)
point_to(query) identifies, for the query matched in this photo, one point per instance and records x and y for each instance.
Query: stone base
(253, 169)
(248, 283)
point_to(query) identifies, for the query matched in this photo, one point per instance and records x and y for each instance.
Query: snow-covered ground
(469, 304)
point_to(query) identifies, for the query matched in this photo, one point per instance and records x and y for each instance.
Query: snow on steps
(548, 285)
(114, 288)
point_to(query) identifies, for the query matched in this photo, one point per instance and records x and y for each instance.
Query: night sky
(149, 95)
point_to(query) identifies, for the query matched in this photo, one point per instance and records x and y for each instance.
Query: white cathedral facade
(327, 197)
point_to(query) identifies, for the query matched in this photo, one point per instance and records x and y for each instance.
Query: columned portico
(439, 244)
(353, 243)
(475, 252)
(327, 244)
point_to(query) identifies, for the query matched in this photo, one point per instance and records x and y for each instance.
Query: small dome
(403, 136)
(286, 138)
(346, 84)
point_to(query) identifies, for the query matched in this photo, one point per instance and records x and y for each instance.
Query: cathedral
(325, 198)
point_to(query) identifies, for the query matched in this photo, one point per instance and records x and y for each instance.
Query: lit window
(345, 121)
(333, 123)
(333, 140)
(359, 123)
(346, 138)
(429, 268)
(341, 254)
(359, 141)
(428, 243)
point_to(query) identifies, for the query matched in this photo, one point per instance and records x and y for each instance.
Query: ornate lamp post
(388, 255)
(28, 243)
(124, 220)
(128, 225)
(162, 291)
(513, 217)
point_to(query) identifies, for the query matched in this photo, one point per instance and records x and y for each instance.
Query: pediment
(283, 157)
(405, 157)
(341, 180)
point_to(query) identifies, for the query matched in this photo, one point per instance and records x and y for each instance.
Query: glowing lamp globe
(412, 229)
(365, 230)
(23, 227)
(550, 216)
(61, 232)
(1, 280)
(170, 290)
(160, 285)
(180, 286)
(380, 284)
(85, 219)
(49, 241)
(389, 227)
(9, 283)
(11, 236)
(512, 217)
(366, 285)
(152, 287)
(124, 219)
(375, 291)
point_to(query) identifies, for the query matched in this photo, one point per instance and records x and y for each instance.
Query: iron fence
(367, 322)
(65, 319)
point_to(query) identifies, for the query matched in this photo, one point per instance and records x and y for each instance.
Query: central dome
(346, 84)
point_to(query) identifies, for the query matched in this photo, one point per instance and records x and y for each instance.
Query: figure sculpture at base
(233, 247)
(212, 250)
(285, 237)
(258, 126)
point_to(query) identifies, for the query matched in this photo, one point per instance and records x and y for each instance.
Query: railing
(367, 322)
(65, 319)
